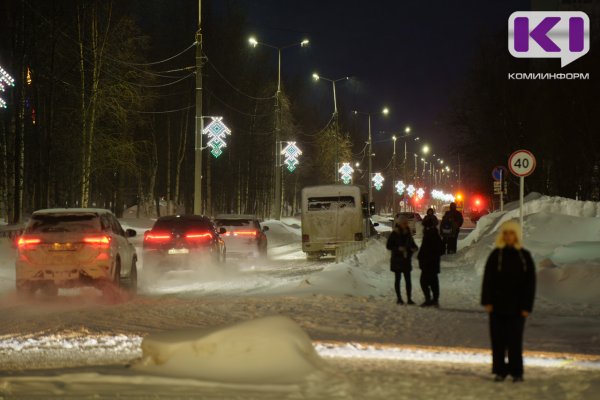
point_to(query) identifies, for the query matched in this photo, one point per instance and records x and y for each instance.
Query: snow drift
(272, 350)
(564, 238)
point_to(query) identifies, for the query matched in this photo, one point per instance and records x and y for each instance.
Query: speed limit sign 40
(521, 163)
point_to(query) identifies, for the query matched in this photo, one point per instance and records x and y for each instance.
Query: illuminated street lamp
(276, 212)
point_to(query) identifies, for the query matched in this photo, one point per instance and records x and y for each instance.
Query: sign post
(521, 163)
(499, 173)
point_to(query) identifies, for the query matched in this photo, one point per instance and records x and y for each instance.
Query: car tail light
(358, 236)
(157, 237)
(245, 233)
(98, 241)
(28, 242)
(305, 238)
(199, 236)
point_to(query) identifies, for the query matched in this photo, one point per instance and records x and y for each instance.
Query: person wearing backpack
(450, 228)
(402, 245)
(508, 293)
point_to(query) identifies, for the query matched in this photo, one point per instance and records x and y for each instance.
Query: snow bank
(364, 274)
(283, 232)
(272, 350)
(564, 238)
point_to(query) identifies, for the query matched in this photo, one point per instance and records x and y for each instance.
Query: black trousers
(506, 332)
(450, 244)
(430, 284)
(408, 282)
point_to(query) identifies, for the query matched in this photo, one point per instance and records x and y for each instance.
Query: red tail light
(157, 237)
(28, 242)
(305, 238)
(99, 241)
(199, 236)
(245, 233)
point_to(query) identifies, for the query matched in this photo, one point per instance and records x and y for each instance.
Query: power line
(233, 86)
(167, 111)
(236, 109)
(160, 61)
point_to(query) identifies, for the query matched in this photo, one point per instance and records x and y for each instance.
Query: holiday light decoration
(346, 172)
(400, 186)
(216, 131)
(410, 190)
(441, 196)
(377, 180)
(420, 193)
(291, 153)
(5, 80)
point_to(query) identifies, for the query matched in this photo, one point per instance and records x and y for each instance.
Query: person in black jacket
(450, 228)
(508, 294)
(430, 221)
(429, 263)
(403, 246)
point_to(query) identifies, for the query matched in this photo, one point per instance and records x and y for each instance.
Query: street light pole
(199, 125)
(278, 192)
(394, 208)
(317, 77)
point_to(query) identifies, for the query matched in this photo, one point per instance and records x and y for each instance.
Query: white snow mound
(271, 350)
(563, 236)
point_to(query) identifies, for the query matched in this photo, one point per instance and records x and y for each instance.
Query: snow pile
(283, 232)
(272, 350)
(364, 274)
(564, 238)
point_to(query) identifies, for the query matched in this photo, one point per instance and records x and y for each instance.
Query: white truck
(332, 215)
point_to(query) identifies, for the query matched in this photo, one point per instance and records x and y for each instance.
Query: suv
(182, 241)
(65, 248)
(244, 235)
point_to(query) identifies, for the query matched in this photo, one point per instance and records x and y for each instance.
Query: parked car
(413, 218)
(245, 236)
(183, 241)
(73, 247)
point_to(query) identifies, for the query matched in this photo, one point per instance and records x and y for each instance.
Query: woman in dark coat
(429, 263)
(508, 294)
(403, 246)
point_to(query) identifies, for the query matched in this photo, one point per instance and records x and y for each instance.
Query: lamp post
(318, 77)
(276, 211)
(394, 138)
(385, 111)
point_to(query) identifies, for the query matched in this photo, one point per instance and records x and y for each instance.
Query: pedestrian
(508, 294)
(450, 228)
(429, 264)
(430, 221)
(402, 245)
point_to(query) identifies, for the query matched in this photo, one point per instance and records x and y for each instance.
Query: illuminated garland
(216, 131)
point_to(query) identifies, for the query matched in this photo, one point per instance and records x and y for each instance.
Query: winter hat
(513, 226)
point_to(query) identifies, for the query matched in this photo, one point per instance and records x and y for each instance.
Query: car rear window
(48, 223)
(181, 224)
(330, 203)
(235, 222)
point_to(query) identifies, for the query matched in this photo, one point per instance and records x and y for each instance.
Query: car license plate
(178, 251)
(62, 246)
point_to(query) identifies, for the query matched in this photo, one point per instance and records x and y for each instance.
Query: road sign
(521, 163)
(499, 173)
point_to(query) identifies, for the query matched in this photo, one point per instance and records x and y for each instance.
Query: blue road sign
(499, 173)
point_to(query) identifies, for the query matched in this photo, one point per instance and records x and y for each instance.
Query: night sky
(411, 56)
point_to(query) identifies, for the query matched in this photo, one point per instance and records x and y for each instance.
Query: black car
(183, 241)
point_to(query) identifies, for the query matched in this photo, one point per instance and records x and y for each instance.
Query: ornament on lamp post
(346, 172)
(217, 132)
(291, 152)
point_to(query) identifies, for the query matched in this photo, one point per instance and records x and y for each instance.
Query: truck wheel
(314, 256)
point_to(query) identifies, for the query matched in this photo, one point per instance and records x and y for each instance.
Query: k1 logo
(541, 34)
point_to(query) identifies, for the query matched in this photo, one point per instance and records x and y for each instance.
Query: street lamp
(318, 77)
(384, 111)
(425, 149)
(276, 211)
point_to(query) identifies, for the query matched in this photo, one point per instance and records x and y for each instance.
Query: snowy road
(80, 333)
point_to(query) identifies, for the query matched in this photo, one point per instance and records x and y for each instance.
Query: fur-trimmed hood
(512, 225)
